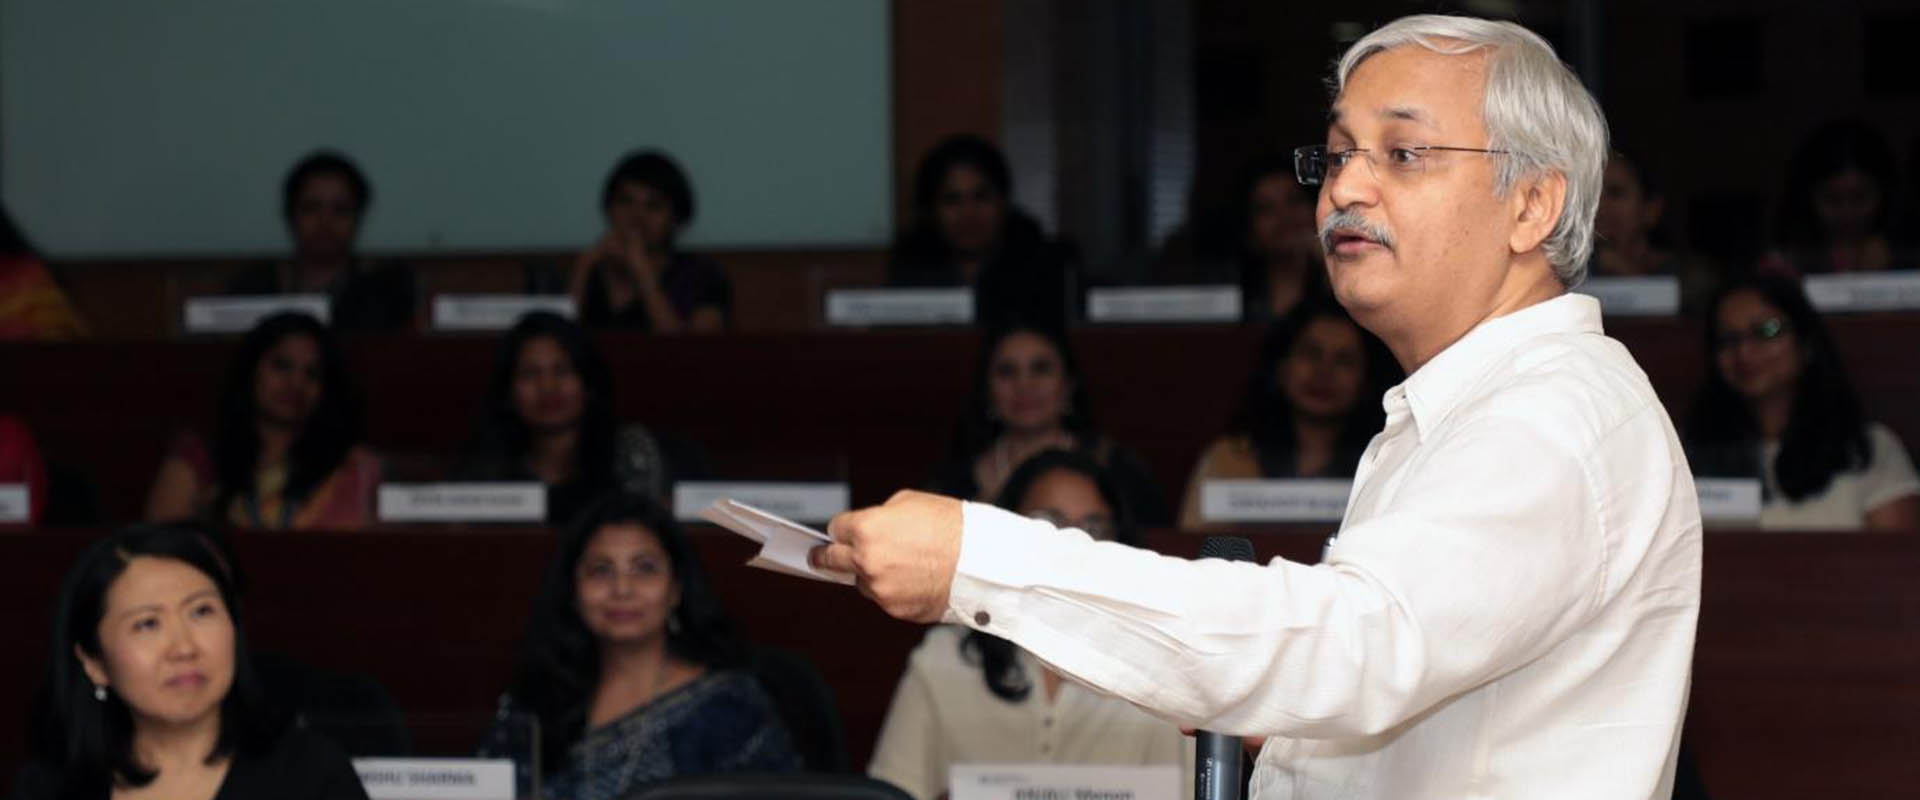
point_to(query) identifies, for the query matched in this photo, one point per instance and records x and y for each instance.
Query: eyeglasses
(1315, 164)
(1765, 330)
(1098, 526)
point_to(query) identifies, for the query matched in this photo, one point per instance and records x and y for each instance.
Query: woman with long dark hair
(971, 697)
(1777, 405)
(32, 303)
(1310, 406)
(1261, 235)
(1838, 210)
(967, 232)
(548, 416)
(635, 276)
(286, 448)
(631, 667)
(149, 690)
(1028, 396)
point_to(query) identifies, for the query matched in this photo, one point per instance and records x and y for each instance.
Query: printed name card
(493, 312)
(463, 502)
(1164, 304)
(1637, 296)
(918, 306)
(1063, 782)
(1257, 500)
(436, 778)
(801, 501)
(1865, 291)
(1728, 499)
(238, 314)
(16, 506)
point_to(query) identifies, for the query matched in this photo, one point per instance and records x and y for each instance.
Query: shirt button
(1047, 722)
(981, 618)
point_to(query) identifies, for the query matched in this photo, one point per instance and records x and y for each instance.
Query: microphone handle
(1216, 767)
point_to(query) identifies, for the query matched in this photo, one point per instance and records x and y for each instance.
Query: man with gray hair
(1508, 609)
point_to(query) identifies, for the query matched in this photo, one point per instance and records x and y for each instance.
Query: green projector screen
(165, 128)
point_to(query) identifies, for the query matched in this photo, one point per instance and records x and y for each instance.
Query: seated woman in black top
(1028, 397)
(1310, 407)
(149, 691)
(966, 232)
(635, 277)
(324, 199)
(548, 416)
(632, 669)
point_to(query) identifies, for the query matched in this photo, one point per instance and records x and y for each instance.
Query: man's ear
(1536, 203)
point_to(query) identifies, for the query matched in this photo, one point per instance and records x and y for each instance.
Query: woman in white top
(1778, 406)
(971, 698)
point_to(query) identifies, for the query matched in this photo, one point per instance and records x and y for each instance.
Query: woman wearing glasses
(1778, 406)
(972, 698)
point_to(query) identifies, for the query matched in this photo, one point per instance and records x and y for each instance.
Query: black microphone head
(1230, 548)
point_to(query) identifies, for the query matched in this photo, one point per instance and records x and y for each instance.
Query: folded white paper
(784, 544)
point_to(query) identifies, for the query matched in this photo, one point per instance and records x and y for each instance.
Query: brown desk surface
(1806, 684)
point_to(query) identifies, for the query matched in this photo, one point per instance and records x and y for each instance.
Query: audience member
(1310, 406)
(324, 200)
(548, 416)
(630, 667)
(970, 697)
(286, 447)
(32, 305)
(1777, 405)
(967, 232)
(149, 689)
(1837, 210)
(1630, 239)
(635, 277)
(20, 464)
(1262, 238)
(1028, 397)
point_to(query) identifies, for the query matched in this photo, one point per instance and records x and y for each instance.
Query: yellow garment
(32, 305)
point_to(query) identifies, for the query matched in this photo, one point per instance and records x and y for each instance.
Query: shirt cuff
(1000, 551)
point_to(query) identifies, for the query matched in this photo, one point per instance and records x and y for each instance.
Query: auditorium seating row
(1807, 671)
(875, 409)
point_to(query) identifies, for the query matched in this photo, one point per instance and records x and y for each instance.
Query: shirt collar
(1433, 390)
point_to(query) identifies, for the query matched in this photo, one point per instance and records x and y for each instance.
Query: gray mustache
(1352, 221)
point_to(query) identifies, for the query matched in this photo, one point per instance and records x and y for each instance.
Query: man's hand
(901, 554)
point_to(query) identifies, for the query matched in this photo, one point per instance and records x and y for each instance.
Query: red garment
(20, 464)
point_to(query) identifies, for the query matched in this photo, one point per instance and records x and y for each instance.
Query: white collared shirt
(1507, 612)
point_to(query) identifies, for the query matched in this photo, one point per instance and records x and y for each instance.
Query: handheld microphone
(1216, 757)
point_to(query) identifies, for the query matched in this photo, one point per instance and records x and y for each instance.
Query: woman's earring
(100, 693)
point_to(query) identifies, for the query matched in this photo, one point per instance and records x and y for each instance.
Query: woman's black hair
(921, 243)
(325, 162)
(979, 429)
(88, 742)
(501, 439)
(655, 170)
(1265, 415)
(1834, 147)
(13, 241)
(337, 423)
(997, 657)
(1826, 431)
(559, 665)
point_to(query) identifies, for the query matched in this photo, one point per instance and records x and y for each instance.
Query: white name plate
(493, 312)
(1063, 782)
(1865, 291)
(238, 314)
(1637, 296)
(436, 778)
(930, 306)
(1164, 304)
(1728, 499)
(463, 502)
(801, 502)
(16, 506)
(1259, 500)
